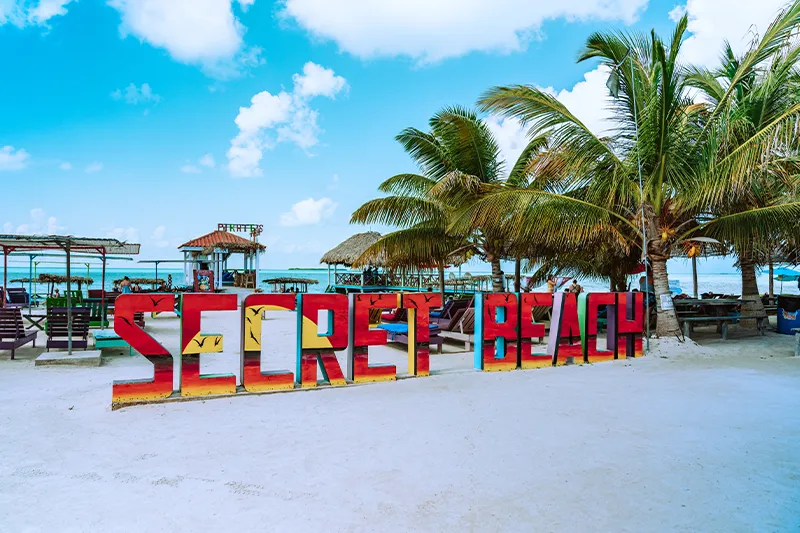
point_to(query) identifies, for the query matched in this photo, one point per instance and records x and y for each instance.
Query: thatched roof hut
(56, 279)
(142, 281)
(307, 281)
(350, 250)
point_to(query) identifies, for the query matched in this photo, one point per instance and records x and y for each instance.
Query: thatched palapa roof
(350, 250)
(281, 281)
(142, 281)
(58, 279)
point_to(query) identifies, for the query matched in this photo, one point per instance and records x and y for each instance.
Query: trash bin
(788, 313)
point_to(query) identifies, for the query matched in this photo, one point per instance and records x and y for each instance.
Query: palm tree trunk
(497, 275)
(666, 319)
(749, 289)
(517, 275)
(441, 282)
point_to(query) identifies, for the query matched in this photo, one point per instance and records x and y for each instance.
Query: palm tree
(661, 135)
(761, 115)
(460, 162)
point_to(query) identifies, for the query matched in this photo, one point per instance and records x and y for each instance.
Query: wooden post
(103, 306)
(5, 275)
(69, 301)
(694, 276)
(771, 281)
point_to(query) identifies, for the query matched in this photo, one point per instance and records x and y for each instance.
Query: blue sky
(153, 120)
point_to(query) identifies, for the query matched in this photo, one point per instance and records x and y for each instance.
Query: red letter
(358, 369)
(253, 309)
(313, 348)
(588, 309)
(193, 343)
(143, 389)
(626, 338)
(419, 330)
(530, 330)
(496, 328)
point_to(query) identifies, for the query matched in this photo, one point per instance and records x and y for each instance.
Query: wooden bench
(108, 338)
(722, 321)
(12, 331)
(58, 328)
(796, 332)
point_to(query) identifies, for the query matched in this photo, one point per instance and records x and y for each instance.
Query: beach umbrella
(785, 274)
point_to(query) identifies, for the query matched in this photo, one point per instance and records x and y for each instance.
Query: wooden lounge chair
(58, 332)
(462, 328)
(450, 310)
(12, 331)
(399, 333)
(398, 315)
(97, 317)
(19, 297)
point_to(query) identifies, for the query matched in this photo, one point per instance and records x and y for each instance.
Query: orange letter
(358, 369)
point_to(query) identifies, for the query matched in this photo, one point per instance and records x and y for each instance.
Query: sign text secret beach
(504, 329)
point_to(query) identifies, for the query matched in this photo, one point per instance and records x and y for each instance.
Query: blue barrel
(788, 313)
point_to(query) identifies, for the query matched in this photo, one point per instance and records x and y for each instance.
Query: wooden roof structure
(224, 241)
(347, 252)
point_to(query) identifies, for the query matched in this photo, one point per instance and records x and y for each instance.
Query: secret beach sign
(504, 329)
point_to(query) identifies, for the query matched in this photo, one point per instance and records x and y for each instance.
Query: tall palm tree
(661, 135)
(460, 162)
(765, 99)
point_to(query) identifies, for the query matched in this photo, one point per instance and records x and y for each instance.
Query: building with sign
(212, 251)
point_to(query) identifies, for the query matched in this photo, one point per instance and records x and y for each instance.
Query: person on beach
(551, 284)
(125, 285)
(575, 288)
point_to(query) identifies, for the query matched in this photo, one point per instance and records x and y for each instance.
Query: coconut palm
(660, 135)
(761, 115)
(460, 162)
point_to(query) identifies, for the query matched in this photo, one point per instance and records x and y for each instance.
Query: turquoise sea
(714, 282)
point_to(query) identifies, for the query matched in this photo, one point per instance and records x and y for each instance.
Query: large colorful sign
(505, 330)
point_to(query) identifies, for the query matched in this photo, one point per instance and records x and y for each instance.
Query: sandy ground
(687, 439)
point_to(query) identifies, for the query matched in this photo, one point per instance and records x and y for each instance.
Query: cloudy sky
(154, 120)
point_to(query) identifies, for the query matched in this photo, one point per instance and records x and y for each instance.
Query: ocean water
(727, 283)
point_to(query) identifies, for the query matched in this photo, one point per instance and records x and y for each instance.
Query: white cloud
(208, 161)
(135, 95)
(433, 30)
(66, 165)
(317, 80)
(158, 237)
(130, 235)
(589, 101)
(11, 159)
(510, 136)
(710, 25)
(201, 32)
(22, 13)
(245, 4)
(94, 167)
(190, 169)
(308, 212)
(39, 224)
(288, 114)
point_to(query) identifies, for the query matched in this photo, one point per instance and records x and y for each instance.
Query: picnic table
(721, 311)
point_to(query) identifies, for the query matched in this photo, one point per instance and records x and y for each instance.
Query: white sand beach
(685, 439)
